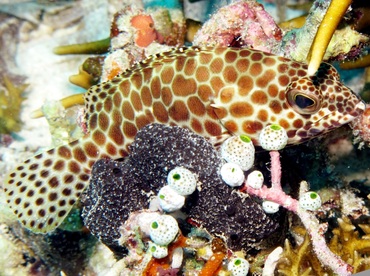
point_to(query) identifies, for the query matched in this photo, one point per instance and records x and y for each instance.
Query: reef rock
(118, 188)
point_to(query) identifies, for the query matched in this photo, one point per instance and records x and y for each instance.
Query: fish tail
(42, 190)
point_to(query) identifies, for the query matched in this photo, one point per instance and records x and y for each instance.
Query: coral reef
(133, 204)
(136, 34)
(243, 23)
(108, 200)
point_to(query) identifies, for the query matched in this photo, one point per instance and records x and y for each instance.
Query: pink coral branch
(314, 228)
(322, 251)
(275, 193)
(275, 170)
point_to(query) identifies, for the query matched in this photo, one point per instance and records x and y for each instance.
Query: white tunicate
(164, 230)
(310, 201)
(239, 150)
(169, 199)
(177, 257)
(273, 137)
(238, 267)
(158, 251)
(182, 180)
(270, 207)
(232, 174)
(255, 180)
(144, 220)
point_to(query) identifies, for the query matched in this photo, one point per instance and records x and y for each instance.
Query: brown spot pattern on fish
(212, 91)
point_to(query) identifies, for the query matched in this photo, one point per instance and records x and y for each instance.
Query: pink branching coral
(315, 230)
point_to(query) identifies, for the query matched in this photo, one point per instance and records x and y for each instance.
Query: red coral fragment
(145, 33)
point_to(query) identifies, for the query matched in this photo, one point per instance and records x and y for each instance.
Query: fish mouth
(347, 118)
(359, 109)
(356, 112)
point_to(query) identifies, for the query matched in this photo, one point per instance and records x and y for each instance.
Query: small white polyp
(270, 207)
(238, 267)
(169, 199)
(232, 174)
(255, 180)
(310, 201)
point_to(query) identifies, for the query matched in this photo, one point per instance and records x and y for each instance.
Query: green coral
(10, 106)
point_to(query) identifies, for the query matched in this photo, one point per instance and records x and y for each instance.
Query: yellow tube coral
(326, 30)
(77, 99)
(95, 47)
(359, 63)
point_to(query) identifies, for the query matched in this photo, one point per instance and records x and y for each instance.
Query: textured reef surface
(120, 188)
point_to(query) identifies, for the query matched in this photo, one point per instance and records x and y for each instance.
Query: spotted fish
(211, 91)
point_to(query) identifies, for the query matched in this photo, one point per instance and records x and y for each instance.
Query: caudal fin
(42, 190)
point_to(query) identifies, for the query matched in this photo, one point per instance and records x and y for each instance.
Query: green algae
(11, 99)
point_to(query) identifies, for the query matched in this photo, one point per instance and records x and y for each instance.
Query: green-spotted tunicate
(310, 201)
(270, 207)
(169, 199)
(158, 251)
(273, 137)
(163, 230)
(255, 180)
(182, 180)
(239, 150)
(232, 174)
(238, 267)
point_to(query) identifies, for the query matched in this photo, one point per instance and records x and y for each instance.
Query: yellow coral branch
(294, 23)
(82, 79)
(77, 99)
(95, 47)
(325, 32)
(359, 63)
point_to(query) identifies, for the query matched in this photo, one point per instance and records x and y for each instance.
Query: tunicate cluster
(181, 182)
(163, 230)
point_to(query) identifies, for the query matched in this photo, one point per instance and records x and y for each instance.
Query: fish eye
(302, 102)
